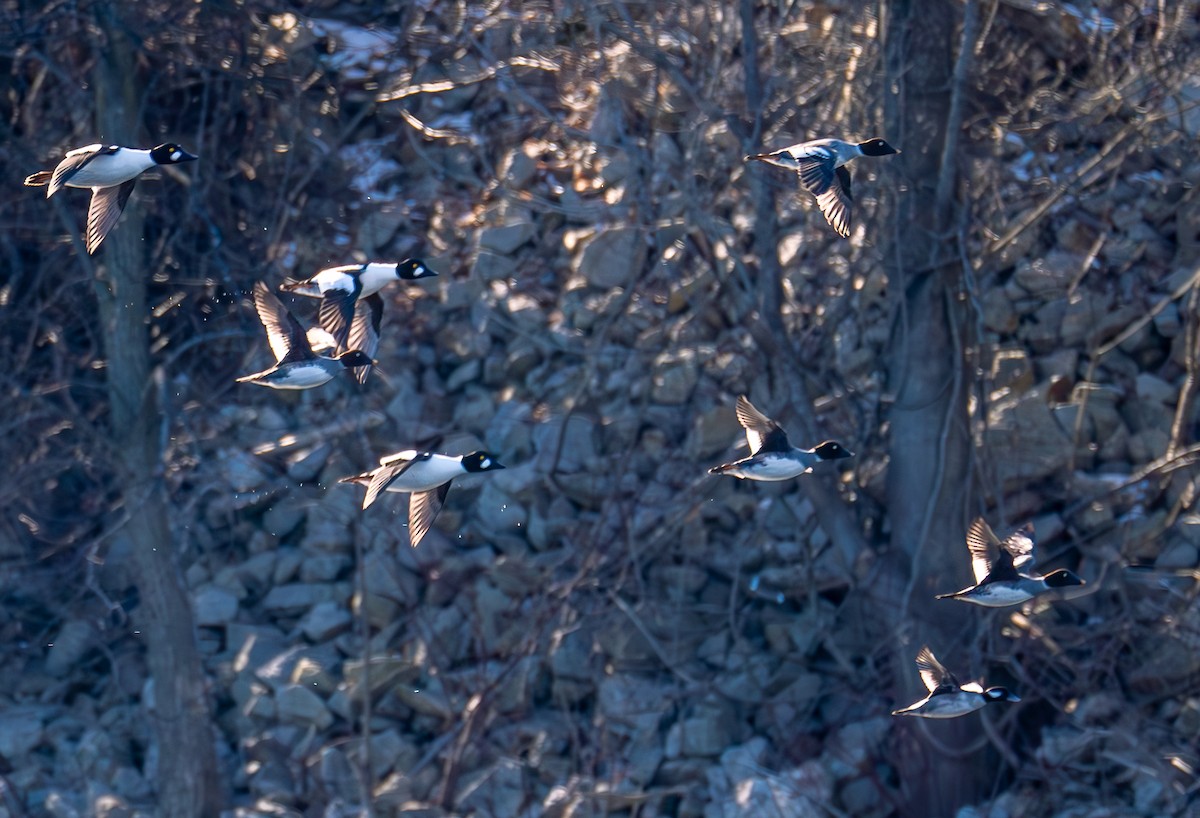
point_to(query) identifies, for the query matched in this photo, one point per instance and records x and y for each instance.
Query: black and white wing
(1020, 545)
(817, 165)
(932, 673)
(107, 205)
(364, 331)
(391, 468)
(74, 162)
(337, 311)
(287, 337)
(835, 202)
(980, 540)
(423, 508)
(762, 433)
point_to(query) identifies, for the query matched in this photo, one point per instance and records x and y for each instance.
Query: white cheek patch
(485, 463)
(175, 155)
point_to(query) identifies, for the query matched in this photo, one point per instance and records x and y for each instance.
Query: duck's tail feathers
(42, 177)
(721, 469)
(750, 157)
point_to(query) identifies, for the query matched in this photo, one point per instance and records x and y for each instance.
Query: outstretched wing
(364, 331)
(107, 205)
(287, 337)
(423, 507)
(1020, 545)
(932, 673)
(980, 540)
(762, 433)
(835, 202)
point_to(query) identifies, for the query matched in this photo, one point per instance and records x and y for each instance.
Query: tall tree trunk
(928, 470)
(187, 781)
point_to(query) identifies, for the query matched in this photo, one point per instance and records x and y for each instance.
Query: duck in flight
(111, 172)
(821, 164)
(296, 365)
(772, 456)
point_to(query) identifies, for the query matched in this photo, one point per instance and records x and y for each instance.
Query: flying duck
(351, 308)
(772, 457)
(1007, 580)
(426, 476)
(296, 365)
(947, 698)
(821, 165)
(111, 172)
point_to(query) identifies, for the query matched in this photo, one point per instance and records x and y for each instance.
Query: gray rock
(324, 621)
(214, 606)
(299, 705)
(612, 258)
(1148, 445)
(464, 374)
(498, 513)
(578, 444)
(324, 567)
(510, 429)
(336, 776)
(22, 729)
(674, 377)
(1167, 321)
(1026, 441)
(507, 238)
(253, 645)
(306, 464)
(490, 266)
(864, 797)
(240, 471)
(713, 432)
(1051, 274)
(498, 789)
(517, 169)
(631, 704)
(473, 411)
(73, 640)
(296, 598)
(706, 733)
(850, 750)
(1152, 387)
(283, 517)
(428, 696)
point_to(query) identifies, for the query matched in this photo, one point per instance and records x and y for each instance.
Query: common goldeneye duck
(296, 365)
(947, 698)
(351, 308)
(111, 172)
(772, 457)
(821, 165)
(1001, 582)
(426, 476)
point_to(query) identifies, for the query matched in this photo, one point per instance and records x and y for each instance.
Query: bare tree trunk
(928, 471)
(187, 781)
